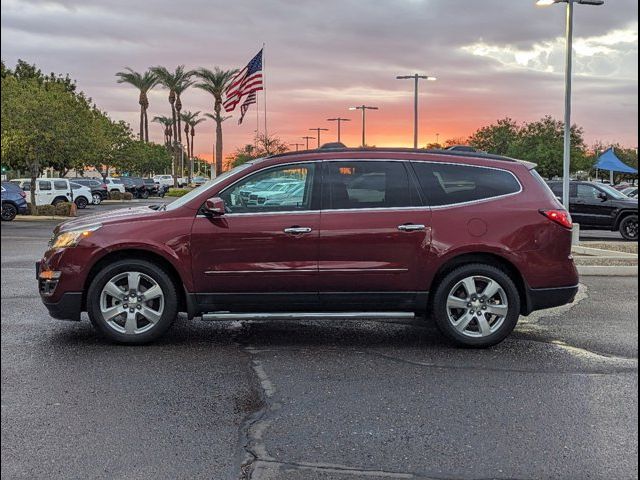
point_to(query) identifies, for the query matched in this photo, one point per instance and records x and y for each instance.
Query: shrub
(177, 192)
(127, 196)
(116, 195)
(65, 209)
(46, 210)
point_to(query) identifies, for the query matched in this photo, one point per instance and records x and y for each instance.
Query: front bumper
(543, 298)
(68, 307)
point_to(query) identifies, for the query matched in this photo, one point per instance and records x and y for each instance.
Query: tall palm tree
(187, 117)
(143, 82)
(176, 82)
(193, 123)
(167, 125)
(214, 82)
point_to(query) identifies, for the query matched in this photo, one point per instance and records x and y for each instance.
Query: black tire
(145, 194)
(58, 200)
(159, 275)
(440, 312)
(81, 203)
(629, 228)
(9, 211)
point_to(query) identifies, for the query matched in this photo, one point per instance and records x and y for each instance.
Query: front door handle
(410, 227)
(297, 230)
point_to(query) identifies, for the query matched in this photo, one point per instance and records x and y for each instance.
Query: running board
(306, 316)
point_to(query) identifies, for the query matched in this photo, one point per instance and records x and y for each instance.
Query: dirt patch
(248, 402)
(626, 247)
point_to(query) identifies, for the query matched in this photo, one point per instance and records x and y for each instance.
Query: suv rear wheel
(629, 228)
(9, 211)
(81, 202)
(132, 301)
(476, 305)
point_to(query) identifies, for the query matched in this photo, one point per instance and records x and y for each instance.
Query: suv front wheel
(476, 305)
(629, 228)
(132, 301)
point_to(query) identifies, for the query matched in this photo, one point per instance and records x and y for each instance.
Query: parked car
(164, 180)
(13, 201)
(49, 191)
(631, 192)
(135, 186)
(114, 185)
(198, 181)
(82, 195)
(99, 189)
(151, 186)
(471, 240)
(597, 206)
(182, 182)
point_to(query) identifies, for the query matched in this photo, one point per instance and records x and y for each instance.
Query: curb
(607, 271)
(40, 218)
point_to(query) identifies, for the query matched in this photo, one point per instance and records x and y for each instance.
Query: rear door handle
(410, 227)
(297, 230)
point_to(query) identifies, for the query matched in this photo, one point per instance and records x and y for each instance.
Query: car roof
(338, 152)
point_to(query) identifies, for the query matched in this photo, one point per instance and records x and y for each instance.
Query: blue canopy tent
(609, 161)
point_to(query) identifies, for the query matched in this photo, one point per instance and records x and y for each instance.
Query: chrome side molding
(305, 316)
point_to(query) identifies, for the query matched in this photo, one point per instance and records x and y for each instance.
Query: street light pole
(416, 77)
(307, 138)
(296, 145)
(319, 130)
(566, 159)
(339, 120)
(364, 108)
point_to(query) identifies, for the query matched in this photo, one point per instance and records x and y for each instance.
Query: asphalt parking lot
(317, 400)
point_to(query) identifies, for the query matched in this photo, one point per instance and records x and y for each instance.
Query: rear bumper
(543, 298)
(68, 307)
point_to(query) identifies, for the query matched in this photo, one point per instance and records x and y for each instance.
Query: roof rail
(334, 147)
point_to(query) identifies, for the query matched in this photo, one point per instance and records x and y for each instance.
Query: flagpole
(264, 86)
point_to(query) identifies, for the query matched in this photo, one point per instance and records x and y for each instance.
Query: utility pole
(415, 77)
(339, 120)
(364, 108)
(296, 145)
(319, 130)
(307, 138)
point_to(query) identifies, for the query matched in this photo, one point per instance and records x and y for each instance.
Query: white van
(49, 191)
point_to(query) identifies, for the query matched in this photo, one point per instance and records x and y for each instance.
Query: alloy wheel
(477, 306)
(132, 303)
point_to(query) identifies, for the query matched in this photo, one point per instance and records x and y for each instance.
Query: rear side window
(43, 185)
(448, 184)
(368, 184)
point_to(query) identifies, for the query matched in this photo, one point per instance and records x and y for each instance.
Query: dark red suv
(471, 240)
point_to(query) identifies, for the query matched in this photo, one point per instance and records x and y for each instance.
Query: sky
(492, 59)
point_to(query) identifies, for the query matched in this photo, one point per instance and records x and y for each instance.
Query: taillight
(561, 217)
(23, 194)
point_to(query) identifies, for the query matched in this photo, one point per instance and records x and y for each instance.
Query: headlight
(71, 238)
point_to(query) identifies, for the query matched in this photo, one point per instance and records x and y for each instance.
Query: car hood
(106, 218)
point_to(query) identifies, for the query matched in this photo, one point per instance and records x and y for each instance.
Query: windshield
(205, 186)
(612, 192)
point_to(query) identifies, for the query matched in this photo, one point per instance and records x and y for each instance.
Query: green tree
(215, 82)
(263, 146)
(497, 138)
(144, 82)
(143, 158)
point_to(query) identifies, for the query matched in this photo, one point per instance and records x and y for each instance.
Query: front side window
(368, 184)
(280, 189)
(60, 185)
(450, 184)
(587, 192)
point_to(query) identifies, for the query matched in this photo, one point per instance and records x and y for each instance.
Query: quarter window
(447, 184)
(281, 189)
(368, 184)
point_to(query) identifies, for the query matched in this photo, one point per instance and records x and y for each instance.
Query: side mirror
(603, 196)
(215, 206)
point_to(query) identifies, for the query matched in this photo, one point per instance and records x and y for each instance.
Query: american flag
(249, 100)
(247, 81)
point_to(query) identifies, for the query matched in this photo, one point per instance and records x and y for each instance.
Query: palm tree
(191, 120)
(167, 124)
(187, 117)
(215, 82)
(176, 82)
(143, 82)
